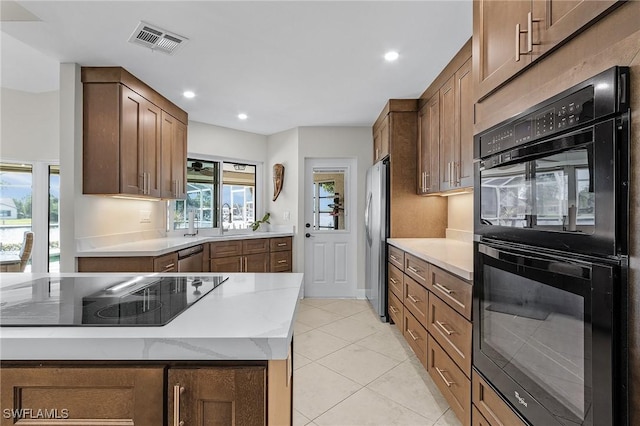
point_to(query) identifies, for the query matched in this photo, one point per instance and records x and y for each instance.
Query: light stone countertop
(449, 254)
(160, 246)
(248, 317)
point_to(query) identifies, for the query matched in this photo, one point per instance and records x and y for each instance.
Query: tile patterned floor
(352, 370)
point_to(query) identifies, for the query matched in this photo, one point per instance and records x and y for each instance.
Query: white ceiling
(285, 64)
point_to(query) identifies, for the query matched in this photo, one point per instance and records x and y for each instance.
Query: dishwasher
(190, 259)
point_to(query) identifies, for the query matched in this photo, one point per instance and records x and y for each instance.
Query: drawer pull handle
(445, 329)
(414, 270)
(413, 336)
(393, 280)
(282, 261)
(169, 266)
(446, 382)
(413, 299)
(393, 257)
(177, 391)
(282, 244)
(443, 288)
(392, 309)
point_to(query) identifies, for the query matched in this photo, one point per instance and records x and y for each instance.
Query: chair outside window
(25, 254)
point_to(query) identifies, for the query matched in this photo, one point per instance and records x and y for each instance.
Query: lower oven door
(543, 333)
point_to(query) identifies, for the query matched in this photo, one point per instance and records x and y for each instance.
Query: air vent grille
(156, 38)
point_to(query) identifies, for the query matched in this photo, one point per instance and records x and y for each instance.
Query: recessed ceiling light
(242, 116)
(391, 56)
(189, 94)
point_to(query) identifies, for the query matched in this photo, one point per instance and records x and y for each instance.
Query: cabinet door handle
(518, 32)
(443, 288)
(282, 244)
(169, 266)
(393, 280)
(530, 22)
(413, 336)
(445, 329)
(414, 270)
(413, 299)
(282, 261)
(446, 382)
(392, 309)
(393, 257)
(177, 391)
(427, 180)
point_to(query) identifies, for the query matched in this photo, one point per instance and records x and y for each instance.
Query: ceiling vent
(156, 38)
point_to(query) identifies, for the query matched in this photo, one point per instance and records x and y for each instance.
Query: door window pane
(328, 200)
(54, 219)
(16, 181)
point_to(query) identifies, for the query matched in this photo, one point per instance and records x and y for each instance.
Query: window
(219, 193)
(16, 182)
(54, 219)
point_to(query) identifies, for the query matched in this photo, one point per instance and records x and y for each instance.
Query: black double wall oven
(551, 257)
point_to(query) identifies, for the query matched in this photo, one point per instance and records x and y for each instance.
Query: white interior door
(330, 257)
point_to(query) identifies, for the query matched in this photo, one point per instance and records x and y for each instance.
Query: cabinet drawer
(452, 331)
(227, 264)
(491, 405)
(455, 291)
(280, 244)
(396, 278)
(478, 419)
(281, 261)
(416, 300)
(166, 263)
(225, 248)
(416, 268)
(396, 311)
(453, 384)
(260, 245)
(416, 335)
(396, 257)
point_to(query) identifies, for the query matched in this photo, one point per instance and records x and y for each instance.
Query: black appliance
(551, 259)
(96, 301)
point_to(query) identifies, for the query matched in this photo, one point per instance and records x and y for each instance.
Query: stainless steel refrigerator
(376, 219)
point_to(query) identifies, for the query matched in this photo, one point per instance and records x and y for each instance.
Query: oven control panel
(566, 113)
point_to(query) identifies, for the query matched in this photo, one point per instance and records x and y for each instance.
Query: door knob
(308, 225)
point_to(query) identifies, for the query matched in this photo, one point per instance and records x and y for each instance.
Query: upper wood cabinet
(174, 154)
(134, 140)
(445, 146)
(381, 140)
(428, 146)
(509, 35)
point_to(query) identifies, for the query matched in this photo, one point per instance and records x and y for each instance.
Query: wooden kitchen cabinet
(252, 255)
(217, 395)
(174, 154)
(165, 263)
(490, 405)
(500, 51)
(86, 395)
(134, 140)
(381, 140)
(429, 147)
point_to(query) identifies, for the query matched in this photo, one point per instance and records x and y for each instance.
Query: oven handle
(559, 266)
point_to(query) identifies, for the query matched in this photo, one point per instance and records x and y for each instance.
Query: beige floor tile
(368, 408)
(304, 306)
(299, 328)
(300, 360)
(316, 344)
(316, 389)
(410, 385)
(315, 317)
(387, 342)
(299, 419)
(448, 419)
(359, 364)
(368, 315)
(318, 302)
(346, 307)
(349, 329)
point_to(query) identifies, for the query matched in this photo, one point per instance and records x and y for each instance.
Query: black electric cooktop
(102, 301)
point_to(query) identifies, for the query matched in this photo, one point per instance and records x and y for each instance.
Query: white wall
(227, 143)
(29, 125)
(332, 142)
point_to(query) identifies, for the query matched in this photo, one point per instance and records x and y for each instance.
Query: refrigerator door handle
(367, 218)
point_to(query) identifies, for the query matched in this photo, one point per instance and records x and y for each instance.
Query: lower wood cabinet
(251, 255)
(220, 396)
(166, 263)
(478, 419)
(416, 335)
(161, 393)
(396, 311)
(452, 331)
(490, 405)
(452, 382)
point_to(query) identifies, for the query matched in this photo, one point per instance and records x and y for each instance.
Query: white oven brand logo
(31, 414)
(521, 399)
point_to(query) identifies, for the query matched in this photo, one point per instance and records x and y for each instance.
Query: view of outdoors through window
(54, 219)
(203, 189)
(328, 200)
(16, 182)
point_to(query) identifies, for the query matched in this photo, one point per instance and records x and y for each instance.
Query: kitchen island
(227, 355)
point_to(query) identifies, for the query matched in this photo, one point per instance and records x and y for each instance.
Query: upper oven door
(543, 333)
(562, 193)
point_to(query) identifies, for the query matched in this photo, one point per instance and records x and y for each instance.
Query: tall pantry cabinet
(134, 139)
